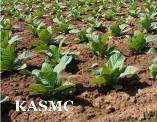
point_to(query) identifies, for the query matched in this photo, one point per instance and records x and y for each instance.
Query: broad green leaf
(151, 38)
(44, 35)
(64, 61)
(123, 26)
(22, 67)
(116, 61)
(129, 70)
(138, 42)
(49, 29)
(14, 39)
(47, 76)
(25, 72)
(154, 61)
(25, 55)
(8, 56)
(146, 23)
(64, 86)
(39, 46)
(74, 31)
(154, 25)
(3, 98)
(115, 29)
(65, 89)
(151, 51)
(38, 89)
(98, 80)
(153, 70)
(54, 54)
(4, 38)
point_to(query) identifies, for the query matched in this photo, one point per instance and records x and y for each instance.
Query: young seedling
(75, 12)
(133, 10)
(112, 71)
(9, 62)
(6, 38)
(82, 34)
(109, 15)
(117, 29)
(45, 34)
(63, 25)
(48, 83)
(139, 41)
(34, 26)
(94, 23)
(5, 24)
(55, 55)
(147, 23)
(99, 45)
(150, 7)
(153, 69)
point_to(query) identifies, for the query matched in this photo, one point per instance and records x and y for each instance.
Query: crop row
(48, 78)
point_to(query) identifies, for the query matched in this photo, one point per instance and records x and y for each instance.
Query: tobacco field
(100, 54)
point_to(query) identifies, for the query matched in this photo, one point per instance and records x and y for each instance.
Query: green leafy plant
(109, 15)
(99, 45)
(112, 71)
(139, 41)
(48, 83)
(147, 23)
(45, 34)
(56, 55)
(6, 38)
(64, 27)
(57, 6)
(133, 10)
(75, 12)
(94, 23)
(153, 69)
(105, 3)
(34, 25)
(5, 24)
(150, 6)
(82, 34)
(115, 29)
(9, 62)
(38, 13)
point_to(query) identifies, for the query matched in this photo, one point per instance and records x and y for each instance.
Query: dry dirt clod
(110, 109)
(90, 115)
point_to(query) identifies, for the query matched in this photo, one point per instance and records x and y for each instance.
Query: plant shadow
(132, 85)
(5, 108)
(73, 66)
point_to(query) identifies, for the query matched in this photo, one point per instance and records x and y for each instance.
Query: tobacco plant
(112, 71)
(109, 15)
(147, 23)
(6, 38)
(133, 10)
(118, 29)
(150, 7)
(9, 62)
(75, 12)
(48, 83)
(153, 69)
(63, 25)
(99, 45)
(139, 42)
(34, 25)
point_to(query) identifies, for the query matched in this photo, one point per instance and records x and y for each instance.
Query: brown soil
(135, 102)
